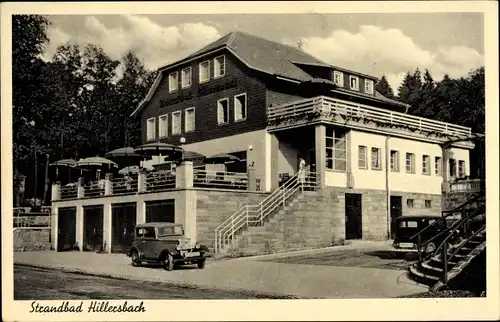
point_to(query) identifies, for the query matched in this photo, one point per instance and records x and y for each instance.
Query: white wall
(399, 181)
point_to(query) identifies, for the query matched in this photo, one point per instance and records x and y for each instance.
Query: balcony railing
(463, 185)
(332, 109)
(161, 180)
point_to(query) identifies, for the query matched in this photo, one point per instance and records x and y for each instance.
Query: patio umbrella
(122, 152)
(124, 156)
(158, 149)
(96, 162)
(65, 163)
(191, 155)
(134, 169)
(221, 158)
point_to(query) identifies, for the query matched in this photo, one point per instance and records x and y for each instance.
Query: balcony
(360, 116)
(463, 186)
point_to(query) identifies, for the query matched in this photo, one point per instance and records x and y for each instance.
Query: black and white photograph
(239, 154)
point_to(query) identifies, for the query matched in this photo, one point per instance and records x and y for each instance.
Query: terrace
(360, 116)
(157, 181)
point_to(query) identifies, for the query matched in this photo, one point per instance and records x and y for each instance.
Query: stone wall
(215, 206)
(419, 207)
(31, 239)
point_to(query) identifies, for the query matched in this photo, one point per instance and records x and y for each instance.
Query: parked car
(408, 226)
(166, 244)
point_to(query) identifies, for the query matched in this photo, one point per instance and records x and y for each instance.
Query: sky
(379, 44)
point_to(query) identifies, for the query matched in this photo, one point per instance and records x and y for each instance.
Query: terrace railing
(160, 180)
(124, 185)
(221, 180)
(328, 108)
(69, 192)
(94, 189)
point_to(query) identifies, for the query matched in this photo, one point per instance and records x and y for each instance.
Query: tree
(384, 88)
(132, 89)
(29, 36)
(405, 89)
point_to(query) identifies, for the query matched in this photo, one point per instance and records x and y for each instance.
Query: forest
(78, 103)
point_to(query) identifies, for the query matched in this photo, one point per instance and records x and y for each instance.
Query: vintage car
(408, 226)
(165, 243)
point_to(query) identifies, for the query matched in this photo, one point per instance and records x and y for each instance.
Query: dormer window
(354, 83)
(338, 78)
(368, 86)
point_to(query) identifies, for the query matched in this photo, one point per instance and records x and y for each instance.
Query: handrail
(459, 247)
(448, 213)
(453, 226)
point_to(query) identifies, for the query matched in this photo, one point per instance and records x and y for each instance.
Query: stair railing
(254, 215)
(444, 215)
(444, 244)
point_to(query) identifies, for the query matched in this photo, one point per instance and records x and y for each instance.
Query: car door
(149, 242)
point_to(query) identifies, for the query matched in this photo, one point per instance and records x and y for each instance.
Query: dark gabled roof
(266, 56)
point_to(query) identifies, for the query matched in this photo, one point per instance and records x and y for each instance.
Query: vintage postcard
(250, 161)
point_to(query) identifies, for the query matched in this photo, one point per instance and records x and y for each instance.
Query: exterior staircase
(259, 229)
(451, 258)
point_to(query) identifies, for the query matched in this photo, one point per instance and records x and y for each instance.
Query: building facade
(272, 105)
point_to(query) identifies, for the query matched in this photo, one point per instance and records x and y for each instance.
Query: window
(223, 111)
(149, 232)
(336, 157)
(172, 82)
(426, 160)
(219, 66)
(409, 203)
(163, 126)
(438, 167)
(204, 71)
(410, 163)
(394, 161)
(176, 122)
(428, 204)
(186, 77)
(354, 82)
(151, 129)
(189, 121)
(461, 169)
(453, 167)
(240, 107)
(368, 86)
(362, 164)
(338, 78)
(376, 159)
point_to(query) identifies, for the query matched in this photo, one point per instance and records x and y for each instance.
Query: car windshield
(170, 230)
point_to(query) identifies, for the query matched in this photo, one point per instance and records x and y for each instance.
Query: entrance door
(396, 211)
(353, 212)
(124, 218)
(160, 211)
(93, 230)
(66, 224)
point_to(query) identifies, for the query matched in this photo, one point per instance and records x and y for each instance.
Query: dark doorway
(160, 211)
(93, 228)
(353, 213)
(396, 211)
(66, 225)
(124, 217)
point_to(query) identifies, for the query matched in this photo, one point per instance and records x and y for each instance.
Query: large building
(271, 105)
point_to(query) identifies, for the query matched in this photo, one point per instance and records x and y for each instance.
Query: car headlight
(197, 245)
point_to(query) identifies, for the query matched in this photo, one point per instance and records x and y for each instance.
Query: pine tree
(384, 88)
(404, 90)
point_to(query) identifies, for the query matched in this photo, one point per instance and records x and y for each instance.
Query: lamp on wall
(182, 140)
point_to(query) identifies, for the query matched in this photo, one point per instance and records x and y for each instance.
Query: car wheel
(168, 263)
(136, 262)
(201, 263)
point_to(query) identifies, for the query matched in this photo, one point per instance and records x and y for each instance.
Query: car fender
(135, 249)
(204, 249)
(169, 250)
